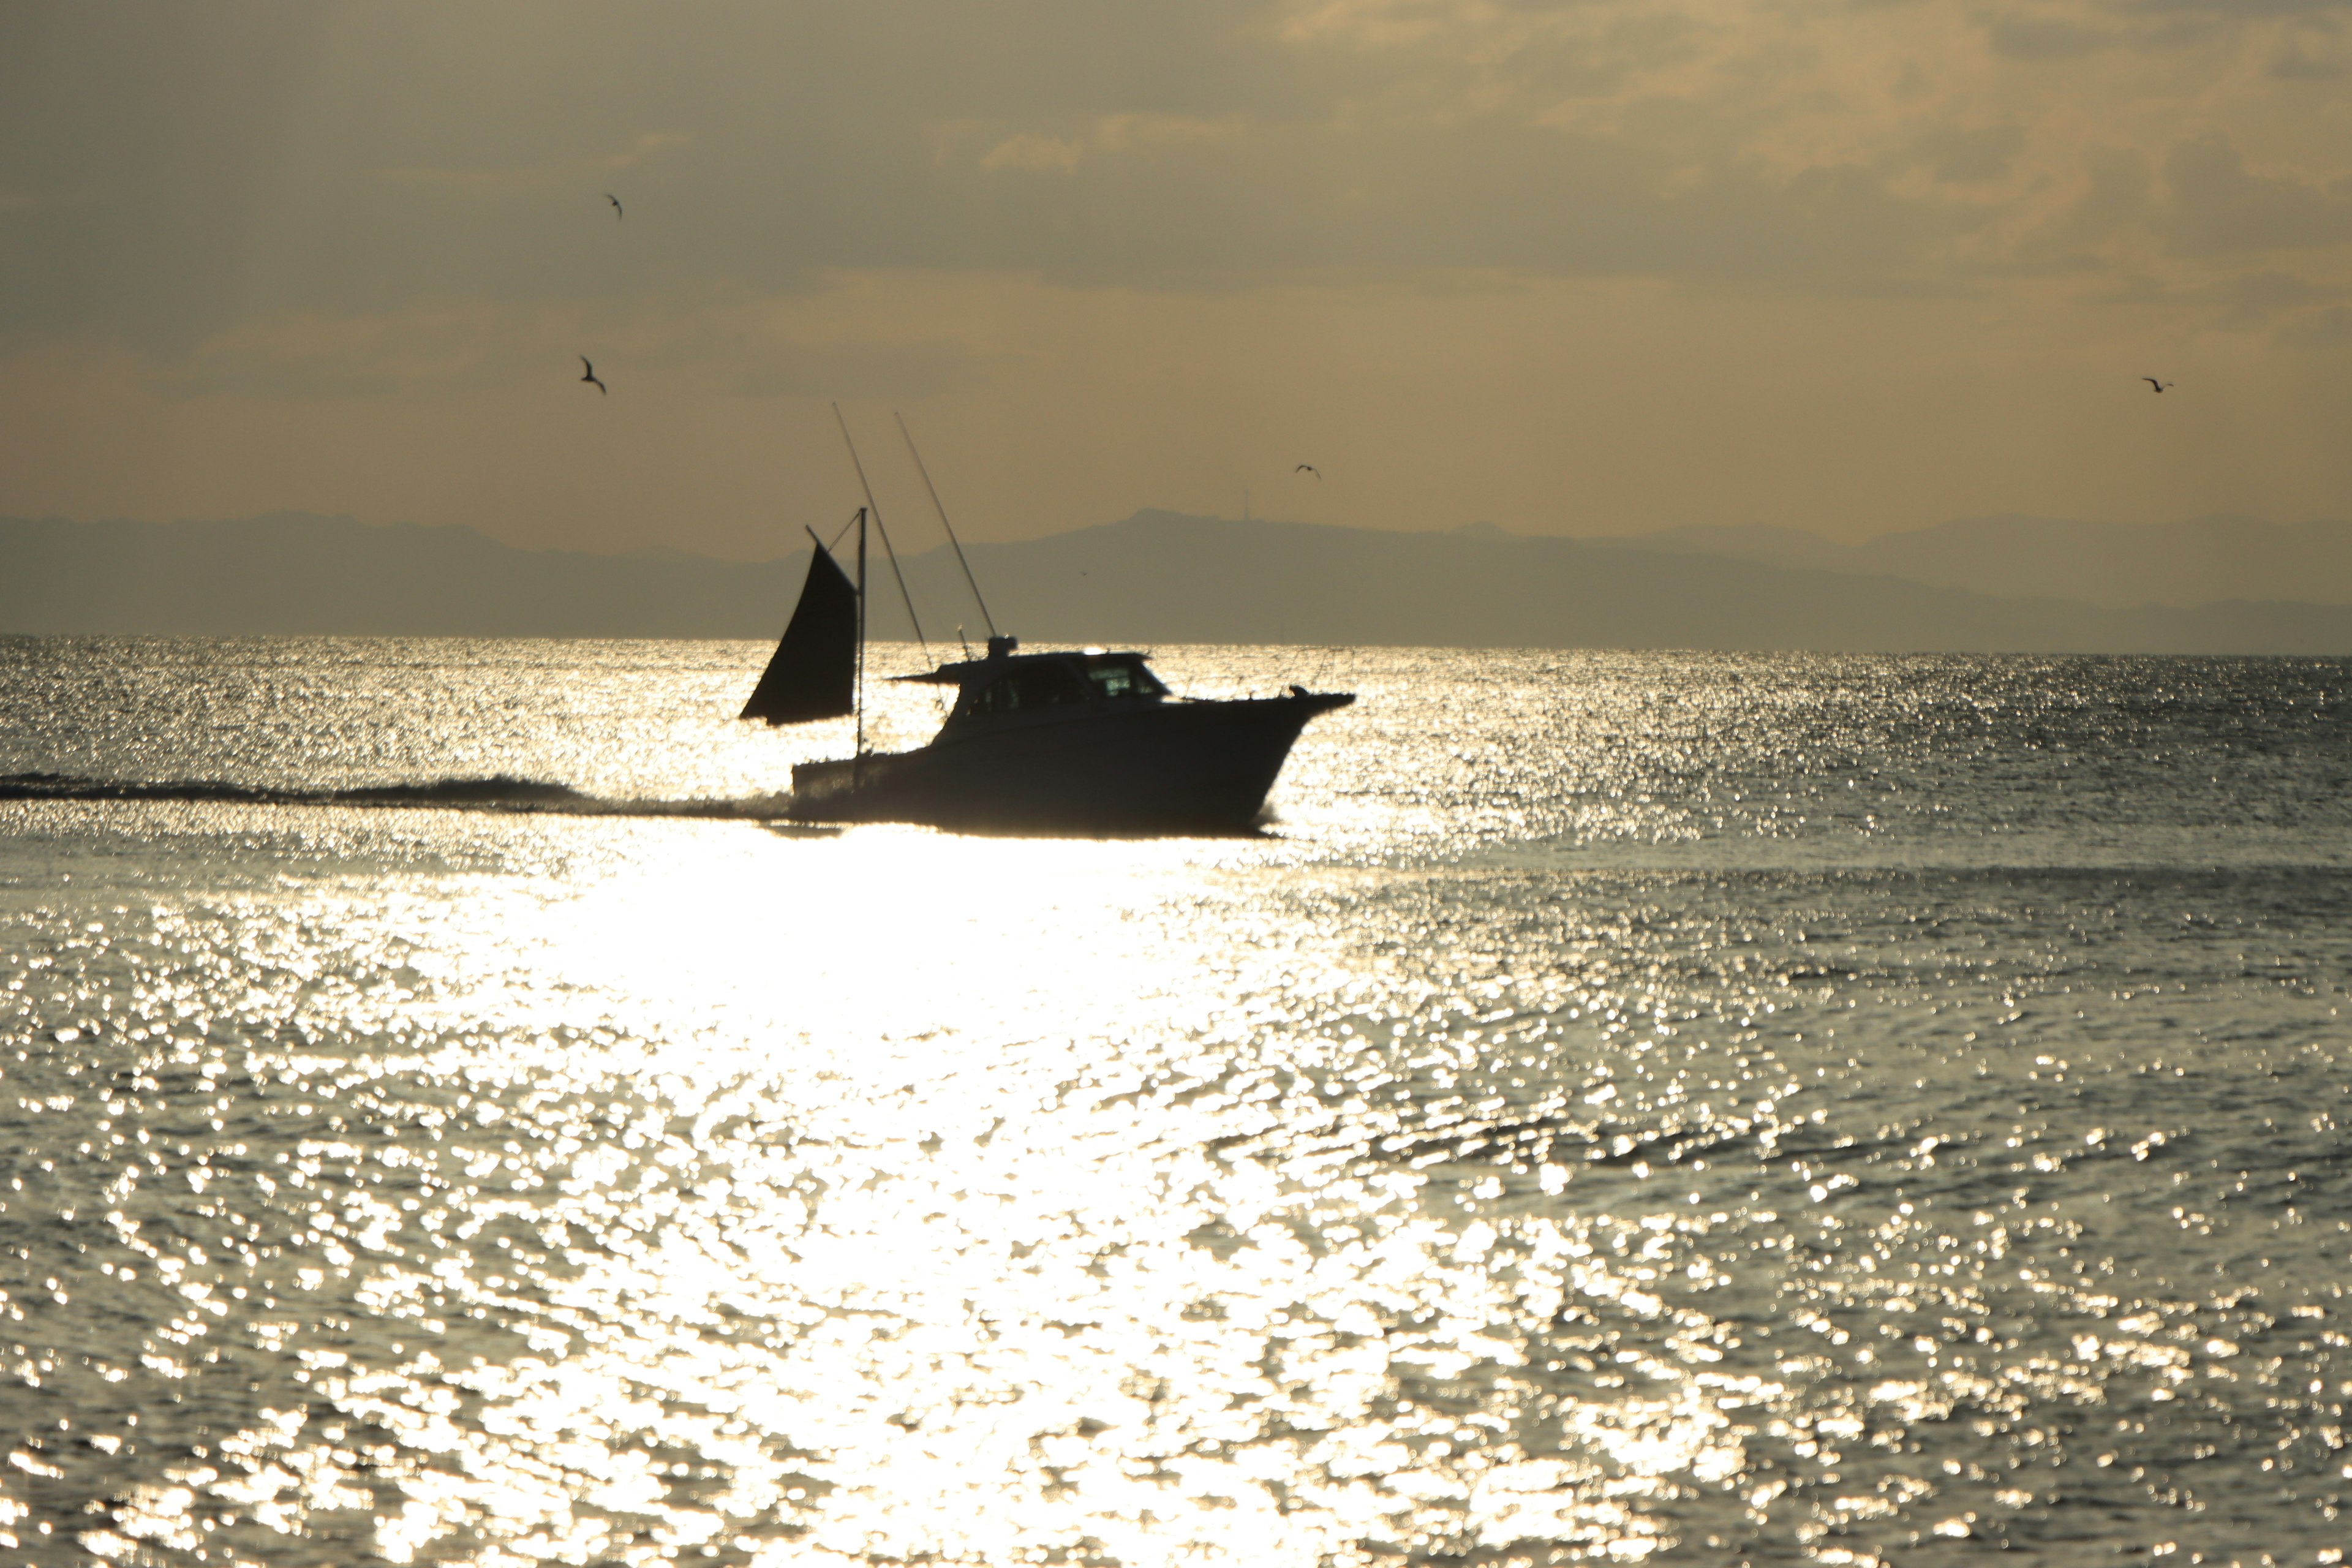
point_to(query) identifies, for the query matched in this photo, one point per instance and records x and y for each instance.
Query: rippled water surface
(1693, 1110)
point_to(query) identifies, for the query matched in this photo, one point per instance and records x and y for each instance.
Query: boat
(1084, 740)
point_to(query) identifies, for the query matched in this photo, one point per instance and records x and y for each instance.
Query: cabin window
(1039, 686)
(1123, 678)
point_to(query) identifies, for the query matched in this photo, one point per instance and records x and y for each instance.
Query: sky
(1583, 267)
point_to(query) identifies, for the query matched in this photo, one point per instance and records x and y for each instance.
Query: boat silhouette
(1069, 740)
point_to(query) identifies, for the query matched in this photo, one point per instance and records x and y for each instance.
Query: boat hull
(1162, 766)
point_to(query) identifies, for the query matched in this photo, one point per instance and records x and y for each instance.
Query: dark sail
(814, 673)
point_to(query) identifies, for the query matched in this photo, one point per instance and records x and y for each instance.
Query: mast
(970, 581)
(858, 750)
(884, 529)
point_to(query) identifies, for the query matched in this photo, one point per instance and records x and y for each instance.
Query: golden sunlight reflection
(888, 1208)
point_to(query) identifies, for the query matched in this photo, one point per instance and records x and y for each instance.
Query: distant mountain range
(2201, 562)
(1161, 578)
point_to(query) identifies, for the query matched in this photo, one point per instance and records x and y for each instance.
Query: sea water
(1696, 1109)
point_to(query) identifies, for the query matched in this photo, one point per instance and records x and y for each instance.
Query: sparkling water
(1688, 1108)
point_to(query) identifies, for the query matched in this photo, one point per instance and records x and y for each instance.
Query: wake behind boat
(1085, 740)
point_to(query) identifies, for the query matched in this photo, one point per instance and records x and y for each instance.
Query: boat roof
(965, 671)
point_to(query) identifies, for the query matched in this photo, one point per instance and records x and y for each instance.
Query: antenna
(969, 580)
(879, 527)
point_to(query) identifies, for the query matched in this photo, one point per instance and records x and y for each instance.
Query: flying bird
(1308, 468)
(588, 373)
(617, 213)
(2159, 385)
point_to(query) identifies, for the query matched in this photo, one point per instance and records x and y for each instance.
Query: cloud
(1975, 155)
(2251, 300)
(2201, 227)
(869, 368)
(1163, 133)
(836, 342)
(2018, 37)
(429, 351)
(1107, 136)
(651, 146)
(2118, 198)
(1032, 151)
(2328, 329)
(2261, 10)
(180, 187)
(2218, 206)
(2291, 61)
(1443, 57)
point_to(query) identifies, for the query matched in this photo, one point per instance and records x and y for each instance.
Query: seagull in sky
(1308, 468)
(616, 205)
(2159, 385)
(588, 373)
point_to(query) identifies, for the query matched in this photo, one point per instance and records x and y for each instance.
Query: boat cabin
(1007, 682)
